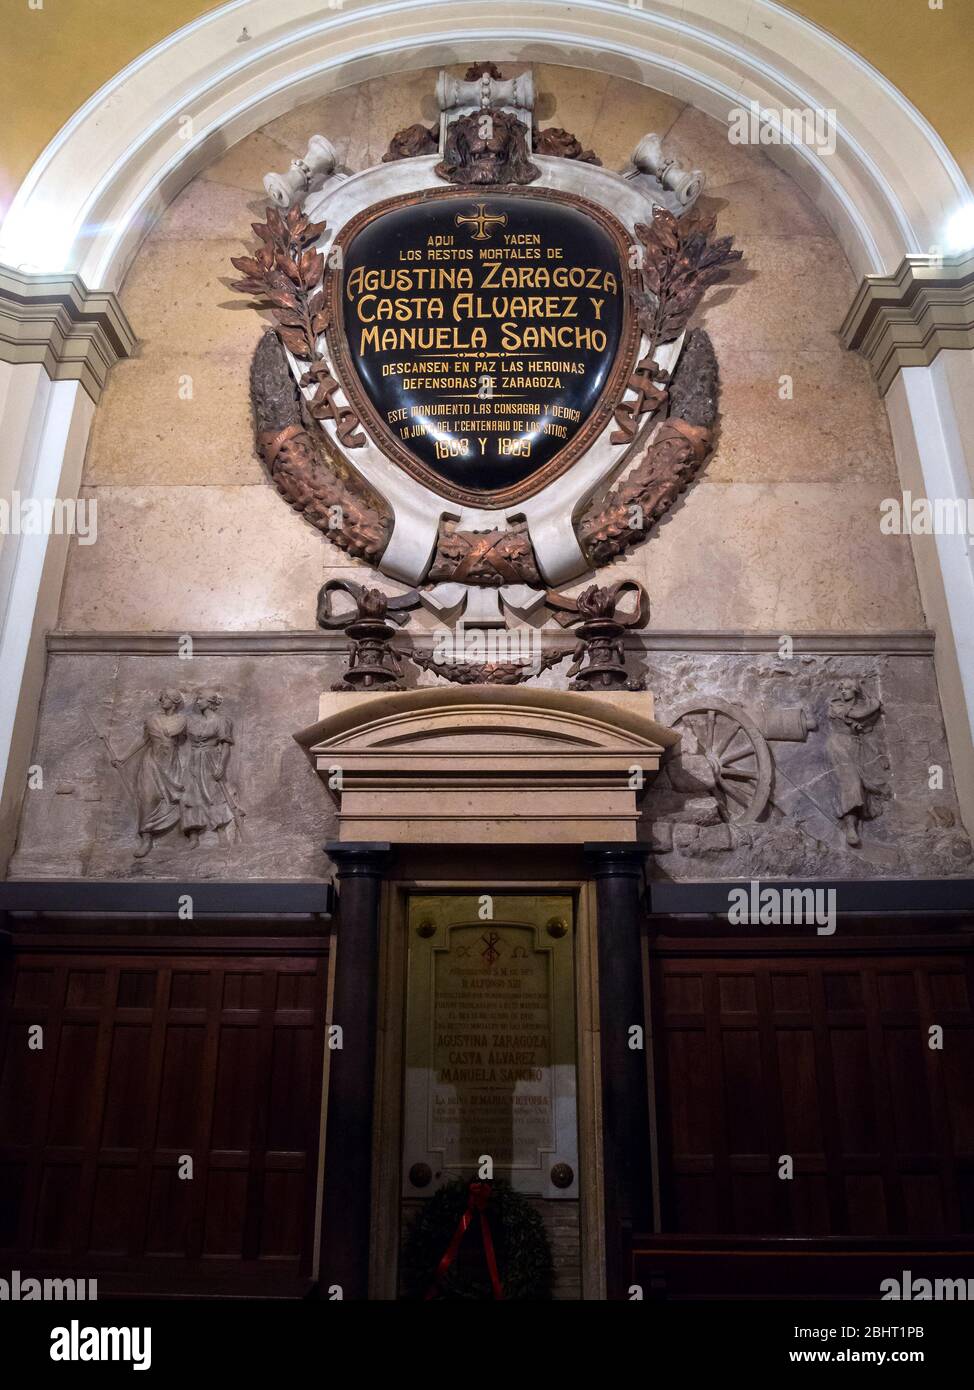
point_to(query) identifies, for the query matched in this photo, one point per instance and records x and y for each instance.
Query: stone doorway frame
(462, 878)
(526, 788)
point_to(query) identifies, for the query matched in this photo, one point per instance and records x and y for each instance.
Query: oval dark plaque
(483, 339)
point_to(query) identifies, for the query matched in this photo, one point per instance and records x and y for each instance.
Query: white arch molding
(888, 190)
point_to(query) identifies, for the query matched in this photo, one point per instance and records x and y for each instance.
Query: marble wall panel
(781, 531)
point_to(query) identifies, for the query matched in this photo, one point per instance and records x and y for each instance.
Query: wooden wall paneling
(879, 1080)
(828, 1102)
(778, 1193)
(153, 1052)
(104, 986)
(945, 999)
(821, 1053)
(143, 1179)
(804, 1091)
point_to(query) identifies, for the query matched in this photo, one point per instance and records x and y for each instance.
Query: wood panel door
(829, 1060)
(148, 1060)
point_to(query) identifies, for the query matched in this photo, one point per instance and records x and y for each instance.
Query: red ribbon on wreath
(477, 1198)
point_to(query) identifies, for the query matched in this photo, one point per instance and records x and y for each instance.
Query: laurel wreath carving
(286, 276)
(680, 260)
(487, 672)
(325, 490)
(672, 459)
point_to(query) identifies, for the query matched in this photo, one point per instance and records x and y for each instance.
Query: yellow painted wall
(927, 53)
(52, 58)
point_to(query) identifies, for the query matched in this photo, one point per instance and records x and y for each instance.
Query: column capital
(77, 334)
(359, 858)
(907, 318)
(612, 859)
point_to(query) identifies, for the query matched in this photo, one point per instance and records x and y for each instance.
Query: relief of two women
(182, 771)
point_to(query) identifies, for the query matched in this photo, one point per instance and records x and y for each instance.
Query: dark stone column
(351, 1082)
(627, 1171)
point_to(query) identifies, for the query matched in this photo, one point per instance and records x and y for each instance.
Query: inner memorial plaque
(482, 332)
(490, 1061)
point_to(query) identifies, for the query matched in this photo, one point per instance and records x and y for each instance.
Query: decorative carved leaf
(680, 263)
(289, 268)
(290, 318)
(295, 341)
(282, 300)
(311, 268)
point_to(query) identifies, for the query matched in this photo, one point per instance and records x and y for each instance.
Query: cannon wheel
(737, 752)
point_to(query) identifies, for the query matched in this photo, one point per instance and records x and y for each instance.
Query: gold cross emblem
(482, 221)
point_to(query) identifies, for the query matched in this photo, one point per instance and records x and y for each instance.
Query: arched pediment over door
(487, 764)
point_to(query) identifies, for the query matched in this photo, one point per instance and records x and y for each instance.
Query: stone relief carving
(724, 755)
(181, 775)
(726, 768)
(782, 778)
(209, 801)
(158, 786)
(859, 791)
(85, 822)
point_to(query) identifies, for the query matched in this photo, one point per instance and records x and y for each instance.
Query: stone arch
(887, 189)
